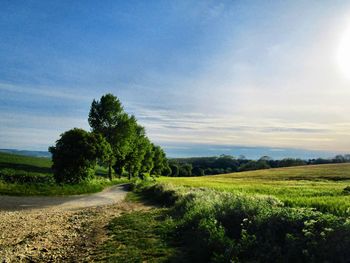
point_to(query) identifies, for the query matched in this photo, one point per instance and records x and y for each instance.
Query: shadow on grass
(143, 198)
(142, 236)
(25, 167)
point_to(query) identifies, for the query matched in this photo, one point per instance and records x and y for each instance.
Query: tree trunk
(129, 176)
(110, 170)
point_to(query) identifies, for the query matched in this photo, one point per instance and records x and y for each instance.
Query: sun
(343, 53)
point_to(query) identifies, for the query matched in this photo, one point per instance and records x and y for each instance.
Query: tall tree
(137, 148)
(107, 117)
(159, 160)
(147, 162)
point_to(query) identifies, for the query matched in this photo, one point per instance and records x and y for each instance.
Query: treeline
(199, 166)
(116, 141)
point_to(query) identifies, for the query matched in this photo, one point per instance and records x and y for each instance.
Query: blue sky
(203, 77)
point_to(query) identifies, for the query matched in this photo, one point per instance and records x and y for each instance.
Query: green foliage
(225, 227)
(132, 150)
(346, 190)
(147, 162)
(228, 164)
(25, 169)
(317, 186)
(75, 156)
(107, 117)
(253, 165)
(174, 169)
(139, 237)
(160, 161)
(22, 177)
(185, 169)
(27, 163)
(139, 144)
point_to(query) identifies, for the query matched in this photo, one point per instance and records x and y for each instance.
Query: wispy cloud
(44, 91)
(213, 73)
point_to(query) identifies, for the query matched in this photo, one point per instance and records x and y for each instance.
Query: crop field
(324, 187)
(20, 162)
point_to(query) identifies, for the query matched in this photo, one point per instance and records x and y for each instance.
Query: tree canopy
(76, 154)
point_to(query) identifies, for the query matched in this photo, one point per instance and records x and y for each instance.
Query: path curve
(108, 196)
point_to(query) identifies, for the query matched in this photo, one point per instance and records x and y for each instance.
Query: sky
(203, 77)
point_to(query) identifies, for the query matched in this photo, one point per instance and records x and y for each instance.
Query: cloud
(32, 132)
(212, 72)
(42, 91)
(169, 126)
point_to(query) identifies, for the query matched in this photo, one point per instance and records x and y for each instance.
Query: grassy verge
(139, 237)
(93, 186)
(219, 226)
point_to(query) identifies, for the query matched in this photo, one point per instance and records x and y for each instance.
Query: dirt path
(68, 230)
(109, 196)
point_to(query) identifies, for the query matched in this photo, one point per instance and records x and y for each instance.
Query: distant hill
(27, 153)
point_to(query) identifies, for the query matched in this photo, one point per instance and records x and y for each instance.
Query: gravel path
(109, 196)
(58, 229)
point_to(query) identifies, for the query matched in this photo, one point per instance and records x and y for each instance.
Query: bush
(224, 227)
(346, 190)
(23, 177)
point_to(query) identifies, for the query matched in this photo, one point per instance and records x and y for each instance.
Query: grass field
(318, 186)
(25, 175)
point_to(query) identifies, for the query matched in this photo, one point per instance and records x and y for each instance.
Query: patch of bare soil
(56, 235)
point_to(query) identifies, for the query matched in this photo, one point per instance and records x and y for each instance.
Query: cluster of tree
(337, 159)
(199, 166)
(116, 140)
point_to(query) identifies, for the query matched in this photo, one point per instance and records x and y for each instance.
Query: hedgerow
(225, 227)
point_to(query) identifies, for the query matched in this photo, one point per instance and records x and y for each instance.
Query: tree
(147, 162)
(132, 150)
(339, 159)
(75, 155)
(254, 165)
(185, 169)
(138, 146)
(197, 171)
(174, 169)
(159, 160)
(107, 117)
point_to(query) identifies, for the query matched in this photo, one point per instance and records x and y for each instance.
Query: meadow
(324, 187)
(26, 175)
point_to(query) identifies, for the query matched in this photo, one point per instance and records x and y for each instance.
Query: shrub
(23, 177)
(224, 227)
(346, 190)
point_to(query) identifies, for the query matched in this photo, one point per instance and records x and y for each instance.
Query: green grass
(41, 167)
(317, 186)
(15, 161)
(139, 237)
